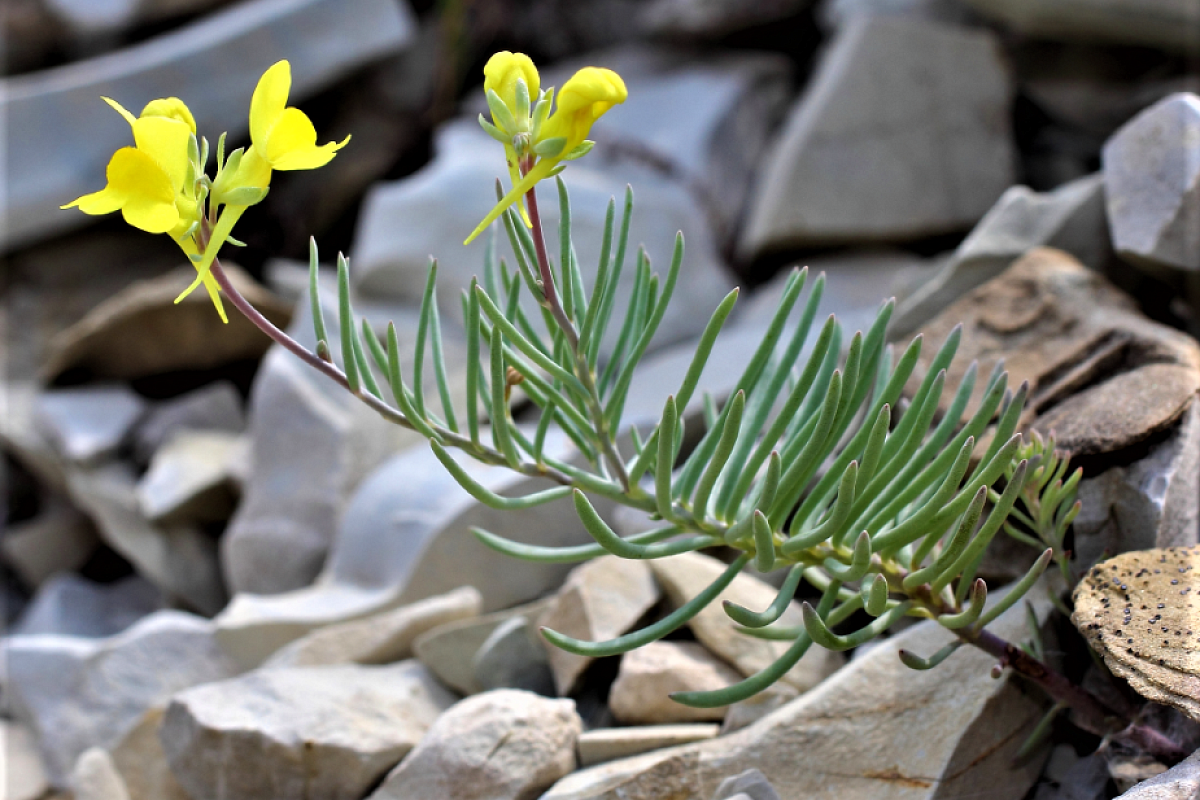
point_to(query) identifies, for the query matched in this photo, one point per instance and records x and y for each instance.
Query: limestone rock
(712, 19)
(113, 681)
(379, 638)
(86, 18)
(903, 132)
(650, 673)
(140, 330)
(836, 13)
(60, 109)
(73, 606)
(500, 745)
(95, 777)
(1137, 610)
(1180, 782)
(686, 575)
(24, 774)
(59, 539)
(1101, 376)
(213, 407)
(319, 732)
(605, 744)
(1152, 172)
(89, 423)
(140, 759)
(749, 785)
(601, 599)
(190, 478)
(512, 657)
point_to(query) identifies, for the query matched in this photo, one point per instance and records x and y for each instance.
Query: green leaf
(346, 318)
(758, 619)
(487, 496)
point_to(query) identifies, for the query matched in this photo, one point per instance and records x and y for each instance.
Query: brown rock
(649, 674)
(1101, 376)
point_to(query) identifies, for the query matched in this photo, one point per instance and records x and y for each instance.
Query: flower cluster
(535, 140)
(160, 185)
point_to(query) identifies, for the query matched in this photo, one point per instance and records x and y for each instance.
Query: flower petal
(269, 100)
(104, 201)
(172, 108)
(146, 195)
(293, 131)
(501, 72)
(149, 214)
(166, 141)
(582, 100)
(120, 109)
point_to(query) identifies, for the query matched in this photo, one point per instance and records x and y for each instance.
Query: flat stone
(750, 785)
(745, 712)
(88, 423)
(95, 777)
(684, 576)
(600, 600)
(1101, 376)
(213, 407)
(605, 744)
(1070, 218)
(1169, 24)
(316, 732)
(190, 478)
(1137, 611)
(1151, 503)
(712, 19)
(178, 558)
(501, 745)
(430, 212)
(513, 657)
(379, 638)
(650, 673)
(1152, 171)
(140, 759)
(67, 135)
(87, 18)
(903, 132)
(140, 330)
(24, 774)
(73, 606)
(113, 681)
(852, 737)
(836, 13)
(1180, 782)
(449, 650)
(59, 539)
(405, 536)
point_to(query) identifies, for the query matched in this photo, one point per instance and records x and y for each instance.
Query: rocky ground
(226, 579)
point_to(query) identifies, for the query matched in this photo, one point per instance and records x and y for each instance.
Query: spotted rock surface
(1141, 612)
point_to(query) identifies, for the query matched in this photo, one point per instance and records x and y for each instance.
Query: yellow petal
(120, 109)
(172, 108)
(514, 175)
(539, 171)
(582, 100)
(166, 141)
(293, 131)
(501, 72)
(269, 100)
(210, 282)
(150, 215)
(229, 217)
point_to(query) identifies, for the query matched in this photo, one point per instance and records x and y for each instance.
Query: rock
(88, 423)
(61, 111)
(684, 576)
(751, 784)
(179, 559)
(744, 712)
(1152, 172)
(851, 737)
(601, 599)
(379, 638)
(512, 657)
(1151, 503)
(58, 539)
(1181, 782)
(605, 744)
(140, 759)
(190, 478)
(449, 650)
(406, 536)
(902, 133)
(403, 222)
(213, 407)
(113, 681)
(712, 19)
(24, 774)
(107, 17)
(95, 777)
(1062, 328)
(1136, 610)
(501, 745)
(1166, 24)
(1128, 771)
(73, 606)
(140, 330)
(1070, 218)
(316, 732)
(649, 674)
(833, 14)
(1085, 779)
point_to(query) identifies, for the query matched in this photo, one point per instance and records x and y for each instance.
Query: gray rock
(600, 600)
(24, 774)
(1070, 218)
(744, 712)
(712, 19)
(113, 681)
(853, 736)
(88, 423)
(1169, 24)
(190, 478)
(751, 784)
(95, 777)
(605, 744)
(379, 638)
(836, 13)
(406, 536)
(1151, 503)
(513, 657)
(59, 539)
(1085, 779)
(214, 407)
(639, 695)
(60, 111)
(87, 18)
(326, 733)
(402, 223)
(449, 650)
(1180, 782)
(140, 759)
(1152, 173)
(903, 132)
(500, 745)
(73, 606)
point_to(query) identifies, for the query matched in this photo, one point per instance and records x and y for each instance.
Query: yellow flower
(584, 98)
(501, 73)
(510, 82)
